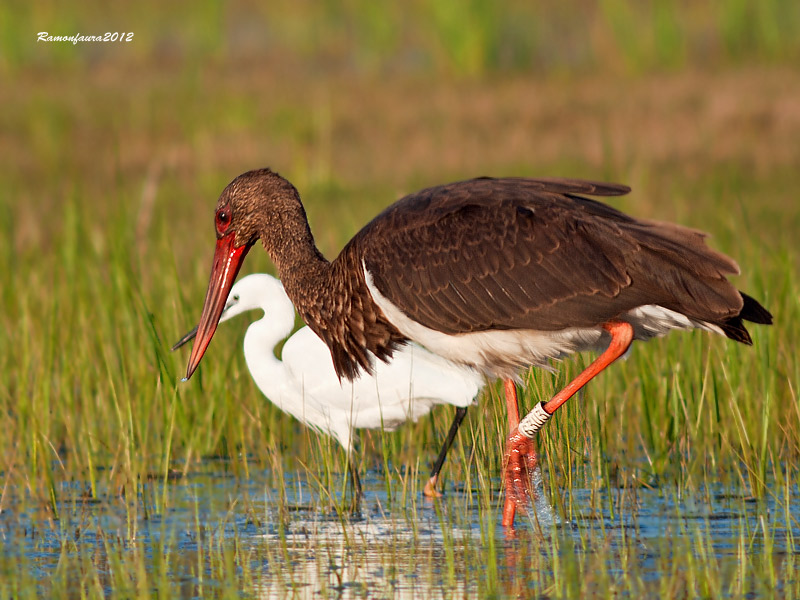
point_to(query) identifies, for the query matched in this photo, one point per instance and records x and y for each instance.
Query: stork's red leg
(520, 454)
(512, 408)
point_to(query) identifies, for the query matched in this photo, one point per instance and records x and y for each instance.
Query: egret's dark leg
(355, 482)
(520, 454)
(430, 487)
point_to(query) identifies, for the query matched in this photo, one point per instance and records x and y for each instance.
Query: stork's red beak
(227, 261)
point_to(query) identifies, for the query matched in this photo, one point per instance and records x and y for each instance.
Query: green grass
(462, 39)
(111, 161)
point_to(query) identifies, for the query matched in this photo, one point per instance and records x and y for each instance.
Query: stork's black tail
(751, 311)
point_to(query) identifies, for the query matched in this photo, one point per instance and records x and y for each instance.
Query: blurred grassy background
(112, 156)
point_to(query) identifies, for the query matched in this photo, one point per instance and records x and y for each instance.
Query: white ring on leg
(534, 421)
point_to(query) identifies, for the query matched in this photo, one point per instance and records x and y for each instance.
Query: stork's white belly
(502, 353)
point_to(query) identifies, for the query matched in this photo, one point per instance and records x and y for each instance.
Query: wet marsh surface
(214, 533)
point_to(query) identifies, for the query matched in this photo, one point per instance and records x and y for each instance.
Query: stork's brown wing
(531, 254)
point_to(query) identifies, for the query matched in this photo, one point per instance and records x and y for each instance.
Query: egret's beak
(185, 339)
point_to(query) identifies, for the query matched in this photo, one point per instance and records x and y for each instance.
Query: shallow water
(209, 531)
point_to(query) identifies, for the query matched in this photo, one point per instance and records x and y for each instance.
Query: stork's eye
(223, 219)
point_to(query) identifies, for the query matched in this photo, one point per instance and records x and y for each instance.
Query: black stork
(497, 274)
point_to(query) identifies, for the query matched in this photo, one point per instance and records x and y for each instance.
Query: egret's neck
(259, 345)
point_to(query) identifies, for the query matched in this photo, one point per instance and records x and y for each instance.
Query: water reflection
(374, 557)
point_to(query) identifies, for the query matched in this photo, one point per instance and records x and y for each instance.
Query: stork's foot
(430, 491)
(520, 464)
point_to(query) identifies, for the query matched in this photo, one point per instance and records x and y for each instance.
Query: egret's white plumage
(304, 384)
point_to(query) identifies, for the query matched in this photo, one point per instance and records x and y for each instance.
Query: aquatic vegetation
(673, 475)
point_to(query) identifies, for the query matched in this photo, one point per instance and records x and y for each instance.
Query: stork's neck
(307, 276)
(331, 297)
(289, 241)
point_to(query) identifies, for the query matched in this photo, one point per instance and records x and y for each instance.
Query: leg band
(534, 421)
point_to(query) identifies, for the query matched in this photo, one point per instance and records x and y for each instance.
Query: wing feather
(531, 254)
